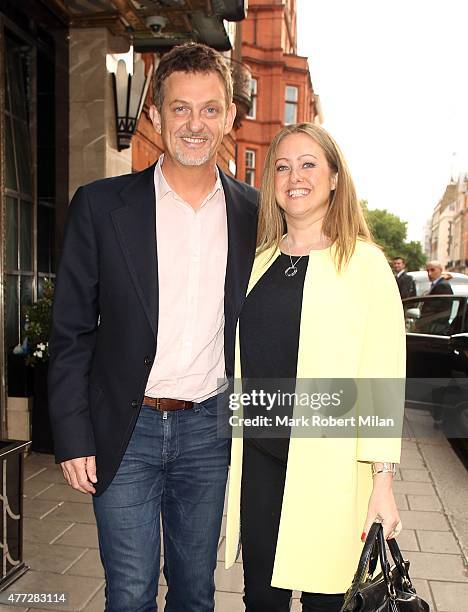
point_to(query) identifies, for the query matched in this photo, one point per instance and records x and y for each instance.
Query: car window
(435, 315)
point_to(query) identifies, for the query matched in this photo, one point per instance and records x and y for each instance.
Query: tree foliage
(389, 232)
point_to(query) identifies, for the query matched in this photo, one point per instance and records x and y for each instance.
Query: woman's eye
(281, 168)
(309, 165)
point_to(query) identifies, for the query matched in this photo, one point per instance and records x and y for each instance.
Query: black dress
(269, 328)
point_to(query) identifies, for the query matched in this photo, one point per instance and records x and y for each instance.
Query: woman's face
(303, 179)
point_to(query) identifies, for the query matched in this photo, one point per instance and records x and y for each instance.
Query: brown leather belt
(166, 404)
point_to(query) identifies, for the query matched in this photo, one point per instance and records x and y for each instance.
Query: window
(434, 315)
(290, 109)
(252, 114)
(250, 167)
(19, 195)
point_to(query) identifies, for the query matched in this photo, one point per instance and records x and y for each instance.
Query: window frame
(290, 103)
(252, 112)
(250, 168)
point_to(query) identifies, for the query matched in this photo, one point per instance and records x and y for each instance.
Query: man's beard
(191, 159)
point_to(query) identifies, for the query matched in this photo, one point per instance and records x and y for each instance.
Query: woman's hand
(382, 506)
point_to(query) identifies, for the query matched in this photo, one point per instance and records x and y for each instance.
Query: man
(435, 314)
(439, 283)
(404, 281)
(153, 274)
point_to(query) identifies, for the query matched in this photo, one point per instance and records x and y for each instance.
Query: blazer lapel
(242, 232)
(135, 224)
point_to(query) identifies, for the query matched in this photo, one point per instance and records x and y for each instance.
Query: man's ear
(155, 117)
(230, 116)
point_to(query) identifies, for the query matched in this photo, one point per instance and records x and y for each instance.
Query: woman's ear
(334, 181)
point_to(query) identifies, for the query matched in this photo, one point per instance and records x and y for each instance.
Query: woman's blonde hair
(344, 221)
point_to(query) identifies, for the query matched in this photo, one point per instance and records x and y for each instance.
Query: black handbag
(391, 590)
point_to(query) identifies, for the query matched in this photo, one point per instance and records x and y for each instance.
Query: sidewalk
(60, 541)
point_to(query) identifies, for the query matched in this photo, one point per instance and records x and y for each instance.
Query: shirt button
(134, 404)
(147, 361)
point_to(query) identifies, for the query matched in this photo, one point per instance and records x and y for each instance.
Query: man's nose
(195, 123)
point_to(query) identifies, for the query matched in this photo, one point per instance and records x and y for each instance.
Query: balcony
(241, 80)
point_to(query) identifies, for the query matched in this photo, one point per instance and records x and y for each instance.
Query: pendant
(291, 271)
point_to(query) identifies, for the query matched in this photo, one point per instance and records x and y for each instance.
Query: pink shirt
(192, 255)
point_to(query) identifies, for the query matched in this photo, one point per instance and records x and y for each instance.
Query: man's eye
(211, 110)
(180, 109)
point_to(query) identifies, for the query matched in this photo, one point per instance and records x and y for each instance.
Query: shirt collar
(163, 187)
(401, 272)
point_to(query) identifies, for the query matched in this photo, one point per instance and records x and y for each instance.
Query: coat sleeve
(74, 326)
(383, 365)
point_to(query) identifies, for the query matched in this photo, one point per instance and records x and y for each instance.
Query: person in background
(439, 281)
(405, 282)
(316, 301)
(152, 277)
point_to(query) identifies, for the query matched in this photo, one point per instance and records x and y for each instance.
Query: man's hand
(80, 473)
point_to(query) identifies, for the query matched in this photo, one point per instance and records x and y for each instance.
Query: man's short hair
(192, 58)
(399, 257)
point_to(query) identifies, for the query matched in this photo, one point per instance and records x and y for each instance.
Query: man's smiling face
(194, 117)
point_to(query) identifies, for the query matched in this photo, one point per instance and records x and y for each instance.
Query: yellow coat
(352, 326)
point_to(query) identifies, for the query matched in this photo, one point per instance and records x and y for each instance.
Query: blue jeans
(175, 467)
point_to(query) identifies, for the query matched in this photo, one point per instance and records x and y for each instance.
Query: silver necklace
(292, 269)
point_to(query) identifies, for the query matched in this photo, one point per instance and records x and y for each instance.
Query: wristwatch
(381, 467)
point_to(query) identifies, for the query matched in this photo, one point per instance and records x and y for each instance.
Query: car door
(434, 340)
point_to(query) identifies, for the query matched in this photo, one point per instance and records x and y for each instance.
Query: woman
(322, 303)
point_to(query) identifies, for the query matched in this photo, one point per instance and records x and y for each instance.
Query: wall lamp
(130, 86)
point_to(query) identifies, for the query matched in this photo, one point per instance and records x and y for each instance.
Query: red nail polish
(363, 536)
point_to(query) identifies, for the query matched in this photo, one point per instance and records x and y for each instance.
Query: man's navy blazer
(105, 314)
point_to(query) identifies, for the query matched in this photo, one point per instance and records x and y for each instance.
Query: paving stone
(409, 444)
(438, 542)
(88, 565)
(38, 508)
(34, 487)
(401, 502)
(51, 474)
(12, 608)
(423, 590)
(231, 580)
(415, 475)
(424, 502)
(31, 470)
(53, 558)
(222, 552)
(44, 531)
(450, 596)
(412, 459)
(415, 519)
(97, 603)
(74, 513)
(435, 566)
(81, 535)
(63, 492)
(407, 539)
(78, 590)
(416, 488)
(161, 598)
(229, 602)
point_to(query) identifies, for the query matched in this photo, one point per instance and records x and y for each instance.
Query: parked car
(437, 359)
(458, 282)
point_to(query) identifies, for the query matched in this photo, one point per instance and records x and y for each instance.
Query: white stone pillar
(93, 141)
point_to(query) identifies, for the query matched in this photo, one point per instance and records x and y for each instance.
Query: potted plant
(36, 351)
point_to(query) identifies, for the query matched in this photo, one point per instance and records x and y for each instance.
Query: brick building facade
(281, 87)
